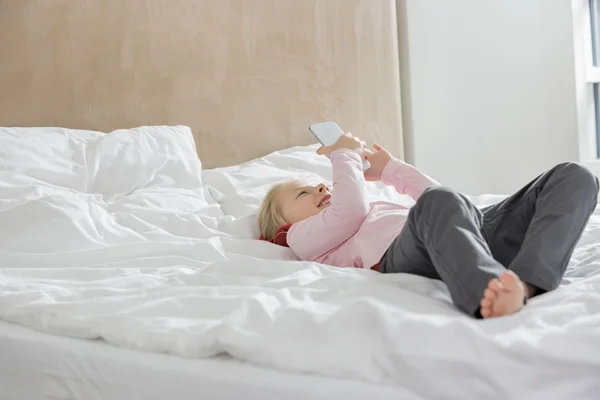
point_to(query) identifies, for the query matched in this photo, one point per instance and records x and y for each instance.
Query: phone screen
(327, 133)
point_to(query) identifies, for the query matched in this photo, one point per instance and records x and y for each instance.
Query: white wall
(488, 90)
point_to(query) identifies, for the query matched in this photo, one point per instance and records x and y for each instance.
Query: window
(586, 21)
(594, 20)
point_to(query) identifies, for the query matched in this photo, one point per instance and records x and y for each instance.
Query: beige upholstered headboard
(248, 76)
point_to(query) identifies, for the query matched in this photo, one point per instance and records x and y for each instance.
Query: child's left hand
(378, 161)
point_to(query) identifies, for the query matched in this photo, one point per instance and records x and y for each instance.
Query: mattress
(40, 366)
(122, 248)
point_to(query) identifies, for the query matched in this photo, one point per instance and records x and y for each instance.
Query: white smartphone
(327, 133)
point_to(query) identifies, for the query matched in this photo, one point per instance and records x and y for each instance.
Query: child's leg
(442, 239)
(534, 231)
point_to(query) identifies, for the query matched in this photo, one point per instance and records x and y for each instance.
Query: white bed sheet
(117, 237)
(36, 366)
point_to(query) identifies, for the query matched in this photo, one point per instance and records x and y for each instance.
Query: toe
(496, 285)
(490, 294)
(485, 307)
(485, 312)
(511, 281)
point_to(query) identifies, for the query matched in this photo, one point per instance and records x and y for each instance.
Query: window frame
(587, 75)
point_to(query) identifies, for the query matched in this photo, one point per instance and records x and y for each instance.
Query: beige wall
(248, 76)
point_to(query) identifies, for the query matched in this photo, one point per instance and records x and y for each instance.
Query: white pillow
(128, 186)
(159, 156)
(92, 162)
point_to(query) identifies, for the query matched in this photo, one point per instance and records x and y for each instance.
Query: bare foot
(503, 296)
(489, 295)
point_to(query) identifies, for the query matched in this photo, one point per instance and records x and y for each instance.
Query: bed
(126, 260)
(41, 366)
(129, 261)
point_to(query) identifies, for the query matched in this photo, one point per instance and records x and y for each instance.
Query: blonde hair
(269, 217)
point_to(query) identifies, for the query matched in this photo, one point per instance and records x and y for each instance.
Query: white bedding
(122, 237)
(36, 366)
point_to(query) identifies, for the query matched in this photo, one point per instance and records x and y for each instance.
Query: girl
(492, 259)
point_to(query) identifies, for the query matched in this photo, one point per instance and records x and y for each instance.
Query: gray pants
(532, 233)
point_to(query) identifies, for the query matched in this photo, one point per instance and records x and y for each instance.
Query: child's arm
(317, 235)
(405, 178)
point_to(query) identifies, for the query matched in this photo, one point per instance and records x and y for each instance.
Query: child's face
(299, 201)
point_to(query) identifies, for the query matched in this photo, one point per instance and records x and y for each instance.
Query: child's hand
(378, 161)
(346, 141)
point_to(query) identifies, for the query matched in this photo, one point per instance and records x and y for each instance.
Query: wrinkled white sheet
(118, 237)
(38, 366)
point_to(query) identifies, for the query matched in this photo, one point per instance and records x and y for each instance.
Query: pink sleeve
(317, 235)
(406, 179)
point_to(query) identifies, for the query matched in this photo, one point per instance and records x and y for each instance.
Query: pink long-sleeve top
(352, 232)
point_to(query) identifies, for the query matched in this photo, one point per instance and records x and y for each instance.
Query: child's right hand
(378, 162)
(346, 141)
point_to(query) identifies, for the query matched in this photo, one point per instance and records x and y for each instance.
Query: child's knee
(439, 196)
(581, 178)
